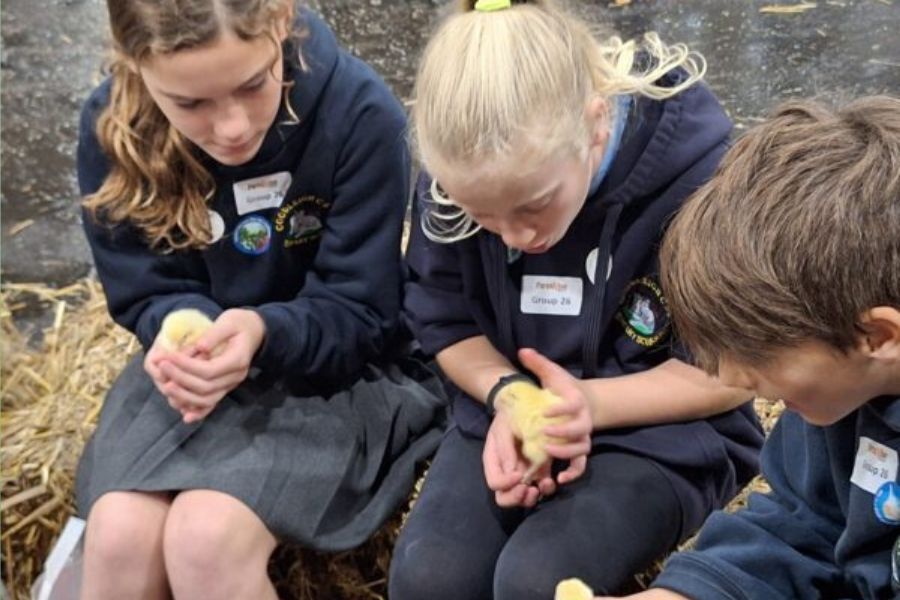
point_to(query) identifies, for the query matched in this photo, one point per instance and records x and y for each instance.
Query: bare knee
(125, 527)
(212, 540)
(123, 546)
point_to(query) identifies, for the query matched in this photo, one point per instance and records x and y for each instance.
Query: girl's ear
(881, 333)
(597, 113)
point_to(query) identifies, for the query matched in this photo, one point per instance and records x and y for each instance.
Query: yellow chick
(526, 403)
(182, 328)
(573, 589)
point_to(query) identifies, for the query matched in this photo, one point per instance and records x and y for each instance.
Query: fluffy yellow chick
(182, 328)
(526, 403)
(573, 589)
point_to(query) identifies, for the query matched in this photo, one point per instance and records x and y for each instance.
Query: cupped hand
(505, 468)
(574, 432)
(196, 378)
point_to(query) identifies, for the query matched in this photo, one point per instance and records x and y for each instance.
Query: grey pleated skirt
(323, 472)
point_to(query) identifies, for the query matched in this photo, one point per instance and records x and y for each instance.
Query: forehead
(212, 69)
(496, 186)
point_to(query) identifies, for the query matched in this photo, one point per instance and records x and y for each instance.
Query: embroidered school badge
(253, 235)
(643, 312)
(301, 220)
(887, 503)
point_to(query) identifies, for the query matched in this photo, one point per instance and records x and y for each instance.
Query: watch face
(895, 566)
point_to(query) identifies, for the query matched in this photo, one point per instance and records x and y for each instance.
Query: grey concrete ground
(51, 51)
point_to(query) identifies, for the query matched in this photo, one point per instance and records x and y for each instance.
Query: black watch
(502, 383)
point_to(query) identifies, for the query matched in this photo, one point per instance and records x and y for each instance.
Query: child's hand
(575, 432)
(196, 379)
(505, 467)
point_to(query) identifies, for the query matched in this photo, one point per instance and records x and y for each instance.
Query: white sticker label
(875, 465)
(261, 193)
(216, 226)
(546, 295)
(590, 265)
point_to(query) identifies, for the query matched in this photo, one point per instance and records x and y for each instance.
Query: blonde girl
(554, 160)
(239, 163)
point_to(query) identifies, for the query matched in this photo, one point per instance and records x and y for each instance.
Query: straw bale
(52, 391)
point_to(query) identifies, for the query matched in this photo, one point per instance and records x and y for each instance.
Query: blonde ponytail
(521, 78)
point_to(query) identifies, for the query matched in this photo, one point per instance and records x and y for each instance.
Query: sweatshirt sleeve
(141, 286)
(350, 302)
(434, 305)
(782, 545)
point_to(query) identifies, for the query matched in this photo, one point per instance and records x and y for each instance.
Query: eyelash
(255, 87)
(537, 207)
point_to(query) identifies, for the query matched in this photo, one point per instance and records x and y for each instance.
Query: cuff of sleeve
(281, 334)
(689, 575)
(151, 322)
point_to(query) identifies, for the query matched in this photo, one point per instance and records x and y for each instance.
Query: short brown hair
(795, 236)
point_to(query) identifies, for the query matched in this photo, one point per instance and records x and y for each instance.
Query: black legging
(609, 524)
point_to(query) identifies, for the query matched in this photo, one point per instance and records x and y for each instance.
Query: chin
(232, 161)
(235, 160)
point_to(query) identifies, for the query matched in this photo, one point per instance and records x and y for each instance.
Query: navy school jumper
(475, 287)
(825, 531)
(321, 264)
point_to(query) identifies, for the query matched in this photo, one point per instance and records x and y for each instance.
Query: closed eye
(534, 208)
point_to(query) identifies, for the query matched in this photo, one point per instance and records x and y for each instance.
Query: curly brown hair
(156, 181)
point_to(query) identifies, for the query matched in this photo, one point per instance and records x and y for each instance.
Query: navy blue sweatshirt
(818, 534)
(323, 267)
(472, 288)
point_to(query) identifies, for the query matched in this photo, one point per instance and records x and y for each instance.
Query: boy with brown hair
(782, 275)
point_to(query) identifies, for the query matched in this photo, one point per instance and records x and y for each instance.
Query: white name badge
(261, 193)
(875, 464)
(546, 295)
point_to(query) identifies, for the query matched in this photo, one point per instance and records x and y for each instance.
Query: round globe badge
(887, 503)
(253, 235)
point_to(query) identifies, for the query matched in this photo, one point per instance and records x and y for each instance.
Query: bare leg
(216, 547)
(123, 554)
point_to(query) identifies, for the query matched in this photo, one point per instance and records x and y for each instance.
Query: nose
(516, 235)
(232, 123)
(734, 376)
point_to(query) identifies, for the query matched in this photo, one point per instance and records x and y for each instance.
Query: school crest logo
(300, 221)
(643, 312)
(253, 235)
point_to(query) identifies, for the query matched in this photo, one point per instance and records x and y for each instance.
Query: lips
(239, 148)
(235, 149)
(537, 249)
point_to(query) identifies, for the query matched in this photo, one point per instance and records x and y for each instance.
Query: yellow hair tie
(492, 5)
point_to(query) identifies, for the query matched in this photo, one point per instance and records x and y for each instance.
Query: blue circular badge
(887, 503)
(253, 235)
